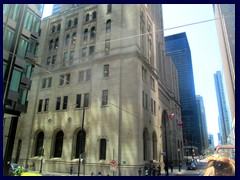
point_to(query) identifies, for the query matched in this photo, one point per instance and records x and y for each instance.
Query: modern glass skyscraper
(178, 48)
(56, 8)
(224, 123)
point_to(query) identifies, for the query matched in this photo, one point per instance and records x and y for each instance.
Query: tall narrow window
(78, 100)
(39, 144)
(109, 8)
(104, 97)
(106, 70)
(58, 144)
(40, 105)
(154, 145)
(46, 104)
(75, 21)
(74, 38)
(61, 80)
(49, 82)
(59, 27)
(93, 33)
(69, 23)
(56, 44)
(67, 40)
(87, 18)
(103, 149)
(86, 100)
(88, 74)
(50, 45)
(71, 55)
(81, 76)
(44, 82)
(65, 55)
(58, 103)
(85, 35)
(80, 145)
(145, 145)
(94, 15)
(108, 25)
(107, 44)
(65, 102)
(91, 50)
(54, 59)
(84, 52)
(53, 28)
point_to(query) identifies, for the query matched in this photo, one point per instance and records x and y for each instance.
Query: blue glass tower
(178, 48)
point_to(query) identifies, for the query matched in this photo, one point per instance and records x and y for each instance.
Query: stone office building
(102, 91)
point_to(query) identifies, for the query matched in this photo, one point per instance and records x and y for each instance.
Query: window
(152, 83)
(49, 80)
(104, 97)
(53, 29)
(39, 144)
(58, 103)
(31, 46)
(78, 100)
(71, 55)
(87, 18)
(67, 40)
(75, 21)
(59, 27)
(144, 73)
(145, 145)
(6, 8)
(22, 47)
(151, 105)
(69, 23)
(46, 104)
(81, 76)
(86, 100)
(103, 149)
(107, 44)
(109, 8)
(28, 21)
(50, 45)
(80, 143)
(14, 13)
(85, 36)
(58, 144)
(54, 59)
(154, 145)
(94, 15)
(44, 82)
(146, 101)
(65, 55)
(40, 105)
(106, 70)
(65, 102)
(88, 74)
(8, 38)
(108, 25)
(93, 33)
(56, 44)
(15, 80)
(74, 38)
(154, 107)
(36, 24)
(91, 50)
(84, 52)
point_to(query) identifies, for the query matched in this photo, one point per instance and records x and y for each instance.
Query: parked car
(192, 166)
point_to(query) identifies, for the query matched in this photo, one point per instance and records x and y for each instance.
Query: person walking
(166, 169)
(71, 169)
(139, 172)
(171, 166)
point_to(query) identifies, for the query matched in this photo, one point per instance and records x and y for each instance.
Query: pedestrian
(218, 165)
(33, 166)
(180, 166)
(71, 169)
(99, 174)
(166, 169)
(171, 166)
(92, 174)
(139, 172)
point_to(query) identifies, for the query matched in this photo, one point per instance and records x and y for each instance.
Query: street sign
(113, 163)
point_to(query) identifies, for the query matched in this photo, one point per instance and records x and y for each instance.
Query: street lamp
(179, 168)
(40, 171)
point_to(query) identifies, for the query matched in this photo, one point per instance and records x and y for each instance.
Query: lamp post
(179, 167)
(40, 171)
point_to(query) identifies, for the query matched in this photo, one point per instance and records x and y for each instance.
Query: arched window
(56, 44)
(75, 21)
(39, 144)
(108, 25)
(154, 145)
(94, 15)
(58, 27)
(50, 44)
(58, 144)
(85, 36)
(67, 40)
(145, 145)
(87, 18)
(69, 23)
(74, 38)
(93, 33)
(80, 145)
(103, 149)
(53, 29)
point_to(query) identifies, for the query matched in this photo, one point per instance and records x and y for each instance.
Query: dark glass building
(178, 48)
(21, 25)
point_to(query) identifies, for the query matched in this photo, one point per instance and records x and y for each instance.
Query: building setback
(21, 25)
(93, 67)
(226, 35)
(224, 123)
(178, 48)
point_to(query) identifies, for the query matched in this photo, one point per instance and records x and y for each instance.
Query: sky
(204, 46)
